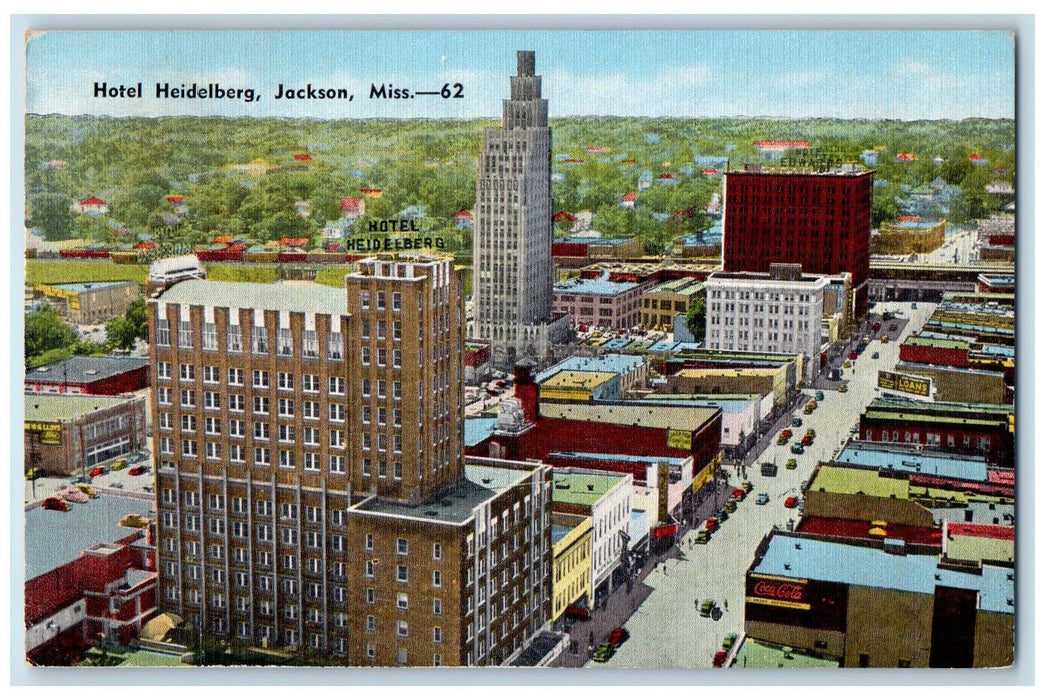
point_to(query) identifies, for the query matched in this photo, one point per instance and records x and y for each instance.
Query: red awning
(665, 531)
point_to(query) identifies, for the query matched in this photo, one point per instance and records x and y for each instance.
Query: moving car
(843, 388)
(875, 355)
(819, 396)
(618, 636)
(763, 498)
(791, 502)
(769, 469)
(807, 441)
(55, 503)
(885, 339)
(720, 659)
(877, 325)
(604, 653)
(791, 464)
(706, 607)
(729, 641)
(893, 326)
(797, 449)
(796, 422)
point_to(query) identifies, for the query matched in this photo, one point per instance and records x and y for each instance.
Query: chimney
(526, 390)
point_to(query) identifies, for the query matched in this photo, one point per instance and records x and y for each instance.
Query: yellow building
(570, 385)
(571, 561)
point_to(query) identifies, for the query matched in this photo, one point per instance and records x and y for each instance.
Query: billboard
(920, 388)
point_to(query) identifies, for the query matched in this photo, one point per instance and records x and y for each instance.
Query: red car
(853, 355)
(137, 471)
(791, 502)
(97, 471)
(807, 440)
(618, 636)
(720, 659)
(711, 524)
(55, 503)
(739, 494)
(876, 325)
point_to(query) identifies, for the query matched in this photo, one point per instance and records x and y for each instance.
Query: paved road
(666, 629)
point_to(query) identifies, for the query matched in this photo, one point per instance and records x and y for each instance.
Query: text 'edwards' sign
(920, 388)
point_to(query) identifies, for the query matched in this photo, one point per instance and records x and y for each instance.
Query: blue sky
(784, 73)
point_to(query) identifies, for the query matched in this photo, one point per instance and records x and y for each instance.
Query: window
(188, 398)
(402, 628)
(311, 462)
(189, 448)
(165, 421)
(337, 412)
(188, 423)
(369, 596)
(163, 332)
(337, 464)
(163, 370)
(212, 426)
(211, 400)
(260, 379)
(437, 635)
(336, 385)
(371, 623)
(261, 431)
(187, 372)
(310, 383)
(237, 403)
(163, 395)
(437, 606)
(236, 428)
(286, 433)
(401, 574)
(310, 409)
(235, 377)
(402, 601)
(213, 450)
(368, 542)
(402, 546)
(261, 405)
(234, 337)
(285, 380)
(437, 579)
(368, 568)
(261, 456)
(286, 408)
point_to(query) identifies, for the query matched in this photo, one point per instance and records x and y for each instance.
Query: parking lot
(110, 481)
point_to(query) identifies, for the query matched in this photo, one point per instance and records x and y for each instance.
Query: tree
(695, 318)
(45, 331)
(51, 214)
(120, 333)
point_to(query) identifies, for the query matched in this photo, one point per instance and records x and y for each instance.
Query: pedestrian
(696, 603)
(725, 604)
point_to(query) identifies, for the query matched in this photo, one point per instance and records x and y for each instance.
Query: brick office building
(821, 221)
(292, 420)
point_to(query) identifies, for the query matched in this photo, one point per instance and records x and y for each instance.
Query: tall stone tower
(512, 289)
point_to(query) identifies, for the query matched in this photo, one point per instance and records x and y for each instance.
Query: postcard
(674, 349)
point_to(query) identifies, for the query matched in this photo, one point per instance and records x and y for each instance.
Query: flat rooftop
(54, 538)
(682, 285)
(455, 503)
(976, 542)
(80, 287)
(849, 480)
(478, 429)
(610, 362)
(595, 287)
(304, 297)
(582, 488)
(83, 370)
(613, 457)
(870, 567)
(950, 466)
(754, 653)
(64, 407)
(665, 417)
(572, 379)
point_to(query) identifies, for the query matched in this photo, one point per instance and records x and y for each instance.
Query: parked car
(853, 355)
(729, 641)
(796, 422)
(722, 515)
(843, 387)
(55, 503)
(738, 494)
(618, 636)
(747, 486)
(763, 498)
(877, 325)
(711, 524)
(781, 440)
(819, 395)
(731, 506)
(137, 471)
(703, 537)
(604, 653)
(811, 432)
(847, 364)
(97, 471)
(797, 449)
(720, 659)
(119, 464)
(791, 464)
(786, 433)
(791, 502)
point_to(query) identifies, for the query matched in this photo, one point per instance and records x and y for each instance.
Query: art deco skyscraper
(512, 290)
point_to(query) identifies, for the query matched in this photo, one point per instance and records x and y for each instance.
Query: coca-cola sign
(779, 590)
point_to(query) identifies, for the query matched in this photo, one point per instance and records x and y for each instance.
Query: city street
(666, 629)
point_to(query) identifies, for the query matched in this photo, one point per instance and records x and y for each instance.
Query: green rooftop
(55, 409)
(847, 480)
(582, 489)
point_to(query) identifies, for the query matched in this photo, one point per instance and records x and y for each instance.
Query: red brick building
(105, 376)
(819, 220)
